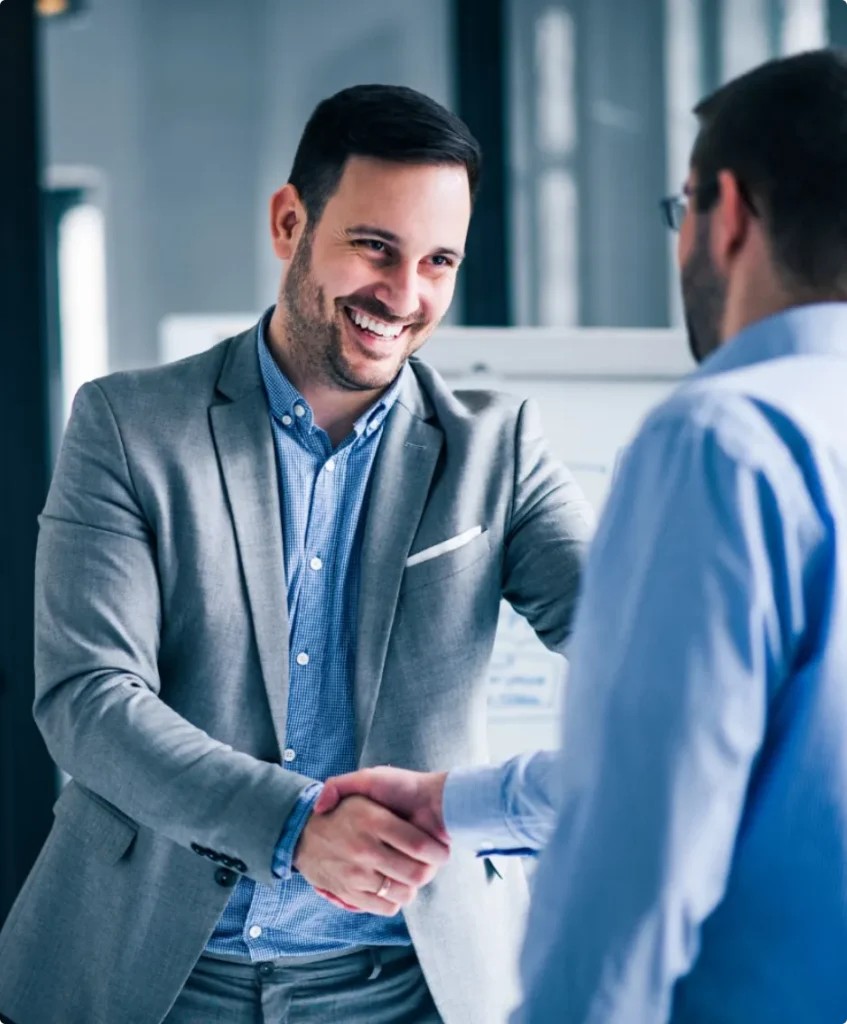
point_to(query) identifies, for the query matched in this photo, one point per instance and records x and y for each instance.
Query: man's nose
(400, 290)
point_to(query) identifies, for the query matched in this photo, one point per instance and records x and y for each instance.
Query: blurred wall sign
(524, 678)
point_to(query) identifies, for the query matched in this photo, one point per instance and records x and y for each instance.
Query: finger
(332, 898)
(358, 783)
(403, 870)
(406, 838)
(370, 903)
(328, 800)
(397, 892)
(401, 895)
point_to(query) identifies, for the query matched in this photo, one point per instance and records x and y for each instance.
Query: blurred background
(141, 140)
(167, 124)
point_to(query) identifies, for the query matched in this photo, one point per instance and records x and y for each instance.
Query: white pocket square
(458, 541)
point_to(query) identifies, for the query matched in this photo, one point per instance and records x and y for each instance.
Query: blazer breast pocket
(95, 822)
(445, 559)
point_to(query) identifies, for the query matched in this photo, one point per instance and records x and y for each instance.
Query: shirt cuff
(474, 815)
(294, 825)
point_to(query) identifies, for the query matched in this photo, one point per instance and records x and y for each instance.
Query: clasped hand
(363, 857)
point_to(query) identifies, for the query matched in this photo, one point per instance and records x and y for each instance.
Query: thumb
(358, 783)
(328, 800)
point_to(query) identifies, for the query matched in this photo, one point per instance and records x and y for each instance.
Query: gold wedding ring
(383, 889)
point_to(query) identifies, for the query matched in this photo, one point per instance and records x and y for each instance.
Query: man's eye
(373, 244)
(442, 261)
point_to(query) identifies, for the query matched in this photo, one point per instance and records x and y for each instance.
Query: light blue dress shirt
(697, 872)
(324, 502)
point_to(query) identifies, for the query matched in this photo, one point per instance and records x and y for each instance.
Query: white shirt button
(287, 420)
(330, 466)
(302, 658)
(299, 410)
(289, 755)
(316, 564)
(255, 932)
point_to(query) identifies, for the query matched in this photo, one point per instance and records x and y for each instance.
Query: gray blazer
(161, 671)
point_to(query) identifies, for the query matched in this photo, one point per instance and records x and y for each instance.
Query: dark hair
(782, 130)
(384, 122)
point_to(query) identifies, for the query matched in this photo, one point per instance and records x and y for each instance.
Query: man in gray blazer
(267, 565)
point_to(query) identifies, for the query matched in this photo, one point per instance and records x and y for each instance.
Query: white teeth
(375, 326)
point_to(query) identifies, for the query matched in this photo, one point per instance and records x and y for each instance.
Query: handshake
(374, 839)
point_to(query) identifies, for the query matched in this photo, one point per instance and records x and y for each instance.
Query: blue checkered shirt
(323, 497)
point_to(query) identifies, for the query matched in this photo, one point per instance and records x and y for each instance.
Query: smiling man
(271, 564)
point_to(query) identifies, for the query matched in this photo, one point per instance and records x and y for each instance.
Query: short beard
(314, 343)
(703, 296)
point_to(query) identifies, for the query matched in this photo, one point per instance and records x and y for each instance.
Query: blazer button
(197, 848)
(213, 855)
(226, 878)
(227, 862)
(239, 865)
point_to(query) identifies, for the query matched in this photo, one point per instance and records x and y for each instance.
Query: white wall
(189, 112)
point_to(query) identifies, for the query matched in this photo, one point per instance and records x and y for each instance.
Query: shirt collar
(817, 329)
(284, 398)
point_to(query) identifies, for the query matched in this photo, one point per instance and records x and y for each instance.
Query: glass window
(745, 36)
(83, 336)
(685, 85)
(804, 25)
(558, 214)
(557, 209)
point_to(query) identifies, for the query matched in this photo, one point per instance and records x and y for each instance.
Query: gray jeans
(372, 986)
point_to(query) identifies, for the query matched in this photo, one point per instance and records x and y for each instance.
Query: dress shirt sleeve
(503, 809)
(690, 615)
(294, 825)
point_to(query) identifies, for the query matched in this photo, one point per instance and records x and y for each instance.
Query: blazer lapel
(244, 442)
(401, 479)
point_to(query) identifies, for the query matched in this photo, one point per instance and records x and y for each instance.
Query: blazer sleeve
(550, 526)
(97, 704)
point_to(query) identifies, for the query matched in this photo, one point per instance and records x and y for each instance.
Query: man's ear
(288, 220)
(730, 218)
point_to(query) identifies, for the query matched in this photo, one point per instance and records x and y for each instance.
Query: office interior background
(141, 140)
